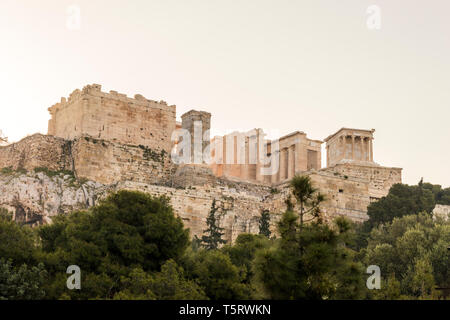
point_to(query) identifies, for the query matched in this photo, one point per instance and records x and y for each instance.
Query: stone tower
(113, 117)
(350, 146)
(198, 124)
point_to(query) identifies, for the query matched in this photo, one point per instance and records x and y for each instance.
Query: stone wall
(93, 159)
(349, 188)
(37, 151)
(347, 197)
(115, 117)
(34, 198)
(110, 162)
(380, 178)
(238, 210)
(343, 196)
(100, 142)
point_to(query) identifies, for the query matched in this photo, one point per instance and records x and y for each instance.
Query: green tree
(412, 249)
(136, 286)
(401, 200)
(443, 197)
(308, 198)
(169, 284)
(423, 279)
(196, 243)
(313, 262)
(264, 224)
(18, 243)
(390, 290)
(242, 254)
(21, 283)
(5, 214)
(213, 237)
(126, 230)
(217, 275)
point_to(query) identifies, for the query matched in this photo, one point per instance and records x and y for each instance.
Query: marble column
(275, 178)
(366, 149)
(244, 166)
(328, 155)
(371, 149)
(362, 154)
(259, 151)
(353, 147)
(291, 162)
(224, 156)
(283, 156)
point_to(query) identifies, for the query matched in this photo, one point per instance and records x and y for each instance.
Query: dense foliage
(405, 200)
(131, 246)
(22, 282)
(312, 262)
(127, 231)
(412, 254)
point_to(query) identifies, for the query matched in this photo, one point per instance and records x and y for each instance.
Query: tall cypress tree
(264, 224)
(213, 237)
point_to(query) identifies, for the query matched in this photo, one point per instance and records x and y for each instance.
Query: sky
(314, 66)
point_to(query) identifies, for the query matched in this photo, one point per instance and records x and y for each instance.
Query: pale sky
(312, 66)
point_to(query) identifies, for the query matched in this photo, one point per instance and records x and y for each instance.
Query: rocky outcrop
(37, 151)
(93, 159)
(35, 197)
(442, 211)
(43, 176)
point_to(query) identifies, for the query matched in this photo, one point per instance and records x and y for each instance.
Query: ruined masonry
(101, 142)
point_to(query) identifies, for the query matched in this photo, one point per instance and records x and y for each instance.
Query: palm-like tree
(308, 198)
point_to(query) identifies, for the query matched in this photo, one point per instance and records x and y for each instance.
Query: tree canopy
(405, 200)
(132, 246)
(311, 262)
(126, 230)
(412, 253)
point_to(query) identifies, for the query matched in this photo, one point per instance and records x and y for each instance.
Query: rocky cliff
(43, 176)
(35, 197)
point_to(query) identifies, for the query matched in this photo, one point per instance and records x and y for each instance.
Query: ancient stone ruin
(100, 142)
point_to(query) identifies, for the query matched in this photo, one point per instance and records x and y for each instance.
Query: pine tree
(213, 237)
(308, 198)
(264, 224)
(196, 243)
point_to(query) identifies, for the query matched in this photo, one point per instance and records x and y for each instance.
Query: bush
(126, 230)
(21, 283)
